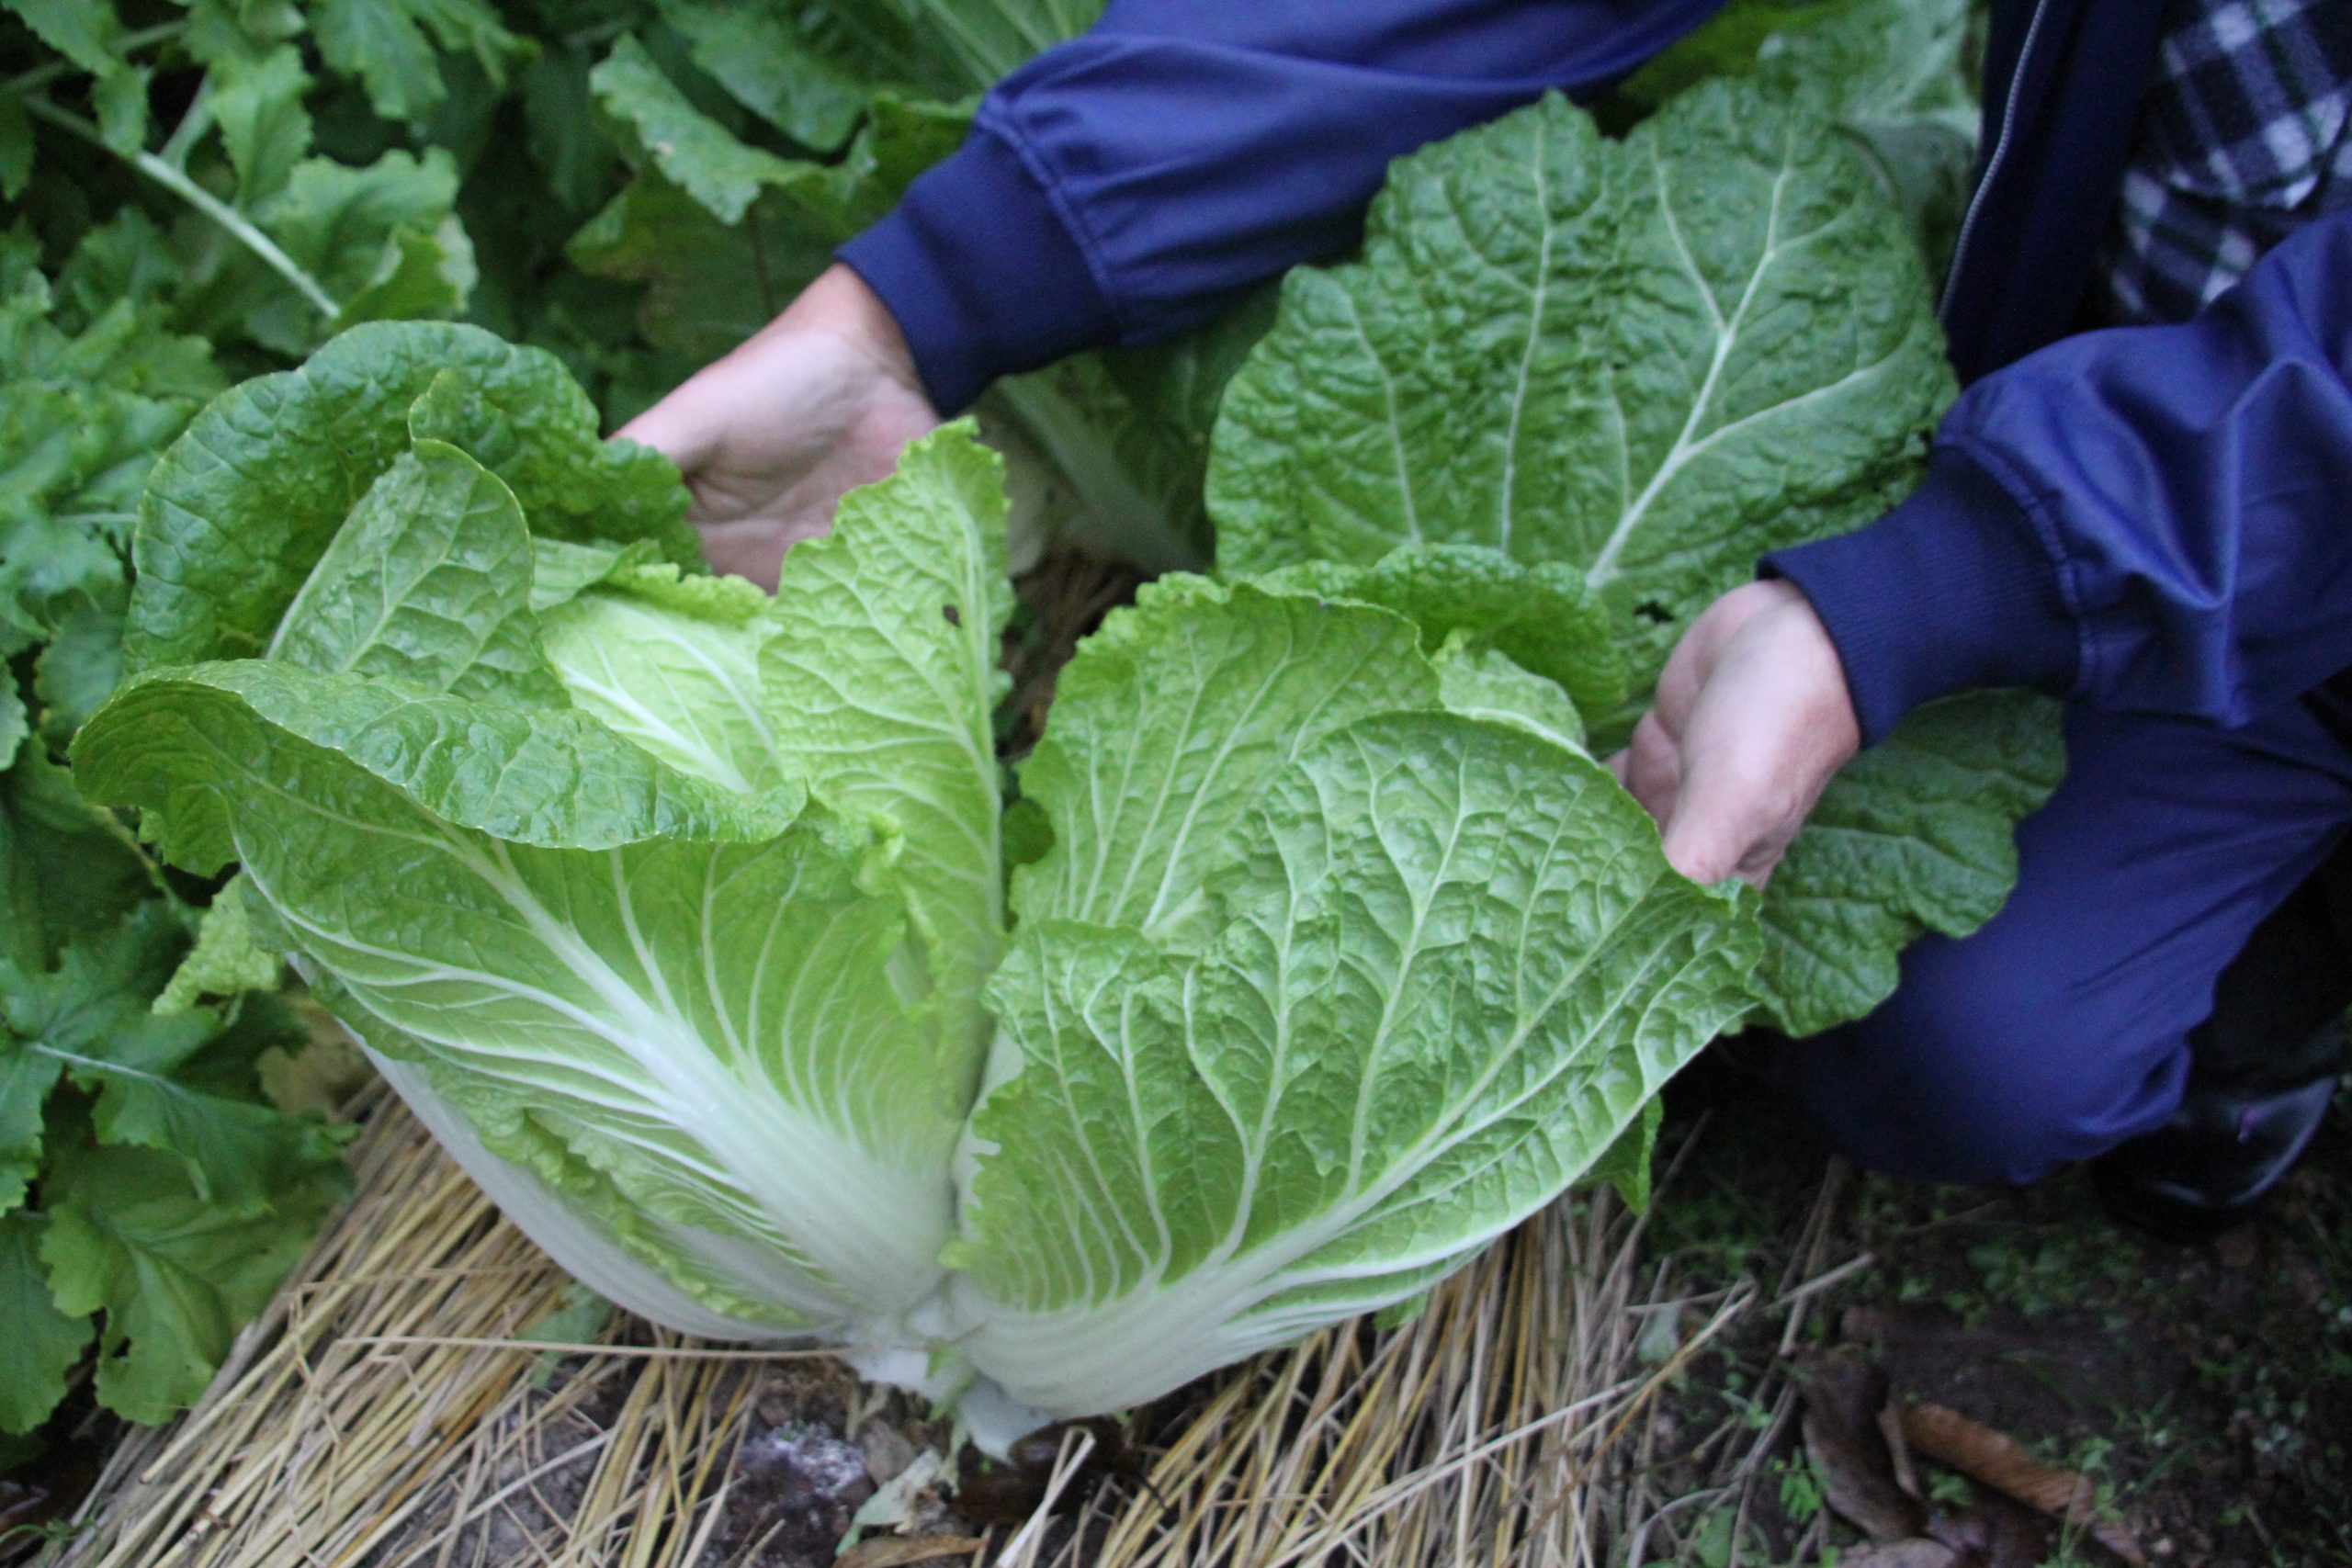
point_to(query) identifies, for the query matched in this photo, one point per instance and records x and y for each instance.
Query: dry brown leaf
(1998, 1461)
(893, 1550)
(1843, 1393)
(1918, 1552)
(1993, 1531)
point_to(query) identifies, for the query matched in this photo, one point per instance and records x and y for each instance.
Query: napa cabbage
(686, 919)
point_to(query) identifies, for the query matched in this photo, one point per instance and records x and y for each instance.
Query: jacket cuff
(983, 273)
(1951, 590)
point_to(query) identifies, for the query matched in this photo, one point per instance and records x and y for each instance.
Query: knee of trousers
(1969, 1077)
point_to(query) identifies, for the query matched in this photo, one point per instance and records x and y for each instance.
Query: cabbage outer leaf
(1175, 720)
(565, 872)
(1650, 359)
(1448, 967)
(1916, 834)
(882, 680)
(240, 507)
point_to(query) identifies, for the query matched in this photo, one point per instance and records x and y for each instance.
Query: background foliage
(198, 191)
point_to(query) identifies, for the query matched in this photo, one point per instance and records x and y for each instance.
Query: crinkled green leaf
(392, 46)
(26, 1079)
(1626, 1165)
(722, 1078)
(241, 508)
(15, 723)
(1916, 834)
(175, 1274)
(707, 287)
(1483, 683)
(901, 138)
(428, 583)
(79, 668)
(938, 48)
(711, 206)
(44, 1344)
(1173, 720)
(552, 778)
(560, 126)
(90, 1018)
(1416, 1026)
(82, 413)
(709, 284)
(120, 98)
(484, 890)
(1896, 75)
(881, 683)
(771, 66)
(380, 239)
(674, 664)
(87, 32)
(1543, 617)
(224, 30)
(561, 571)
(128, 258)
(696, 153)
(69, 871)
(1644, 363)
(526, 421)
(1651, 360)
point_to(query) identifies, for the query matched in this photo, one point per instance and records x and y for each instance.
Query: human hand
(822, 399)
(1751, 718)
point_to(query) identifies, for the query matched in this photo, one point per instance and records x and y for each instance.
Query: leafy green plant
(683, 914)
(151, 1195)
(288, 244)
(1309, 949)
(202, 190)
(1598, 378)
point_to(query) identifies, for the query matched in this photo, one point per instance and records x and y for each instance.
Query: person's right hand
(822, 400)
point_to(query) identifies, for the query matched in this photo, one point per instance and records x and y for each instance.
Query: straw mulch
(385, 1415)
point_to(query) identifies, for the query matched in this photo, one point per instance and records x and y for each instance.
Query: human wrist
(842, 303)
(985, 274)
(1804, 648)
(1954, 589)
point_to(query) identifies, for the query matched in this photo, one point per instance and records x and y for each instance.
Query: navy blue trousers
(2062, 1027)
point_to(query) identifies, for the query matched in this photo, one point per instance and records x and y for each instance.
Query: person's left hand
(1751, 718)
(822, 400)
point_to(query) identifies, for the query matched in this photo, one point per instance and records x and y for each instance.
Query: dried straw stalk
(384, 1416)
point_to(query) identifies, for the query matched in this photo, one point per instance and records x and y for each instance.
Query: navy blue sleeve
(1122, 186)
(2151, 519)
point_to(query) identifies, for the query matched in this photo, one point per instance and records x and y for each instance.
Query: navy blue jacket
(2152, 518)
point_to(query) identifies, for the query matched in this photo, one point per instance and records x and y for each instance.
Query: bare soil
(2205, 1393)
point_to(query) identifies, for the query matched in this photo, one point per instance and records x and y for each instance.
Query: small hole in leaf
(1653, 611)
(955, 617)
